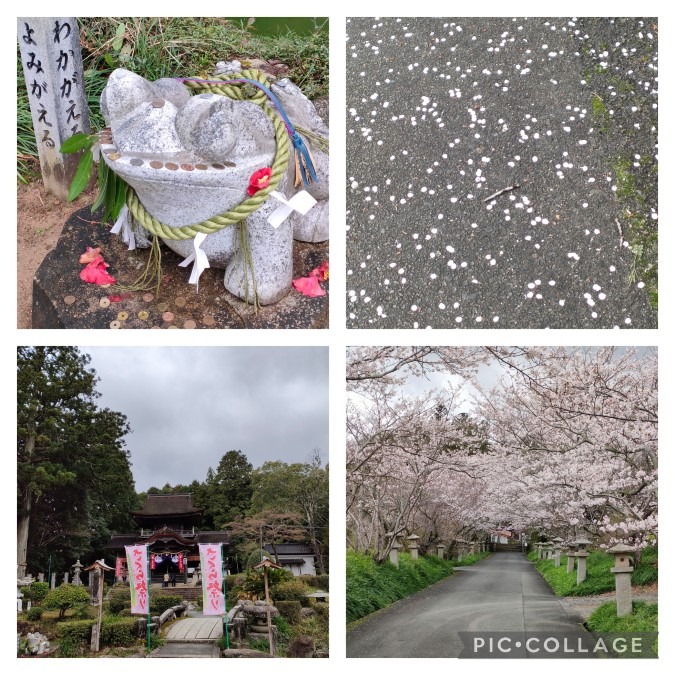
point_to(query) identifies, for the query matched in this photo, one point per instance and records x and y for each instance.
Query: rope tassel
(304, 162)
(303, 158)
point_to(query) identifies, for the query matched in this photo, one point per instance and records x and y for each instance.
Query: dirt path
(40, 219)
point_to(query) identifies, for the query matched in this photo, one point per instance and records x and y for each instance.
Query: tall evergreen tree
(74, 481)
(227, 491)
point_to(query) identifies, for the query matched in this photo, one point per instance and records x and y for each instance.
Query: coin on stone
(167, 316)
(69, 299)
(104, 302)
(114, 156)
(136, 161)
(174, 327)
(189, 324)
(115, 324)
(187, 167)
(123, 316)
(208, 320)
(148, 297)
(201, 167)
(180, 301)
(162, 307)
(172, 166)
(156, 165)
(157, 102)
(143, 315)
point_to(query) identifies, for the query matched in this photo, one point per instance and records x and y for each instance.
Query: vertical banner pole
(225, 631)
(149, 585)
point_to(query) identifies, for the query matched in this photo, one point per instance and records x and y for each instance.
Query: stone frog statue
(192, 157)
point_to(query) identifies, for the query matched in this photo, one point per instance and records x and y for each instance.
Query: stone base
(62, 300)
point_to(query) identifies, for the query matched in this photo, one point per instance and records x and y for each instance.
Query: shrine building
(169, 525)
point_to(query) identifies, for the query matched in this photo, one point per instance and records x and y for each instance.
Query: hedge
(289, 609)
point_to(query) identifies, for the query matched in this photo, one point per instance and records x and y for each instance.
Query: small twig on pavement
(500, 192)
(618, 224)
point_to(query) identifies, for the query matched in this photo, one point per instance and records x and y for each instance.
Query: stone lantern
(557, 545)
(571, 555)
(582, 554)
(439, 550)
(413, 546)
(395, 548)
(540, 549)
(77, 567)
(622, 570)
(460, 549)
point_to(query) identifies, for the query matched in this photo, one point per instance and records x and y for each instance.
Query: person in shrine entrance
(173, 580)
(166, 580)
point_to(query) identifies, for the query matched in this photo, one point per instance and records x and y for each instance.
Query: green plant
(289, 609)
(160, 603)
(64, 597)
(282, 626)
(372, 586)
(259, 644)
(68, 648)
(155, 642)
(644, 619)
(118, 632)
(118, 601)
(75, 631)
(35, 613)
(39, 590)
(599, 578)
(289, 590)
(111, 188)
(84, 610)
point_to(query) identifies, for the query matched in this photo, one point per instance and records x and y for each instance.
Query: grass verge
(372, 586)
(599, 578)
(644, 619)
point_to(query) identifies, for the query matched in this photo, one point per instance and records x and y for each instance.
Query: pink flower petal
(309, 286)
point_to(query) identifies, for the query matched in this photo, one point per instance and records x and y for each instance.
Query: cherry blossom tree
(565, 443)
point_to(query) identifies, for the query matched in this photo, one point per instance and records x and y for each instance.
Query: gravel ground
(443, 113)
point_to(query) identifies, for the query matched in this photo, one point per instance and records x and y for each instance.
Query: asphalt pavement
(443, 113)
(503, 593)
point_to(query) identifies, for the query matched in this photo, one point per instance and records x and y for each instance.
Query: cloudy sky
(187, 406)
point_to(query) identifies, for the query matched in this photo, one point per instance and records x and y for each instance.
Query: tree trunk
(23, 520)
(317, 553)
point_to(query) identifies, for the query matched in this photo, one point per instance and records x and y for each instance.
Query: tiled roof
(290, 549)
(167, 505)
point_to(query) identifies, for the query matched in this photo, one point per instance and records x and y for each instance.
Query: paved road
(443, 113)
(501, 593)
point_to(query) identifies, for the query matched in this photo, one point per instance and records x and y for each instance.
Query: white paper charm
(122, 225)
(201, 262)
(301, 202)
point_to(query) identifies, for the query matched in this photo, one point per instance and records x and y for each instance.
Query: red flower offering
(95, 272)
(259, 180)
(309, 286)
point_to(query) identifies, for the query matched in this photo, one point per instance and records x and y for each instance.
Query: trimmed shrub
(289, 590)
(289, 609)
(75, 631)
(64, 597)
(160, 603)
(319, 581)
(39, 590)
(119, 601)
(34, 613)
(118, 632)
